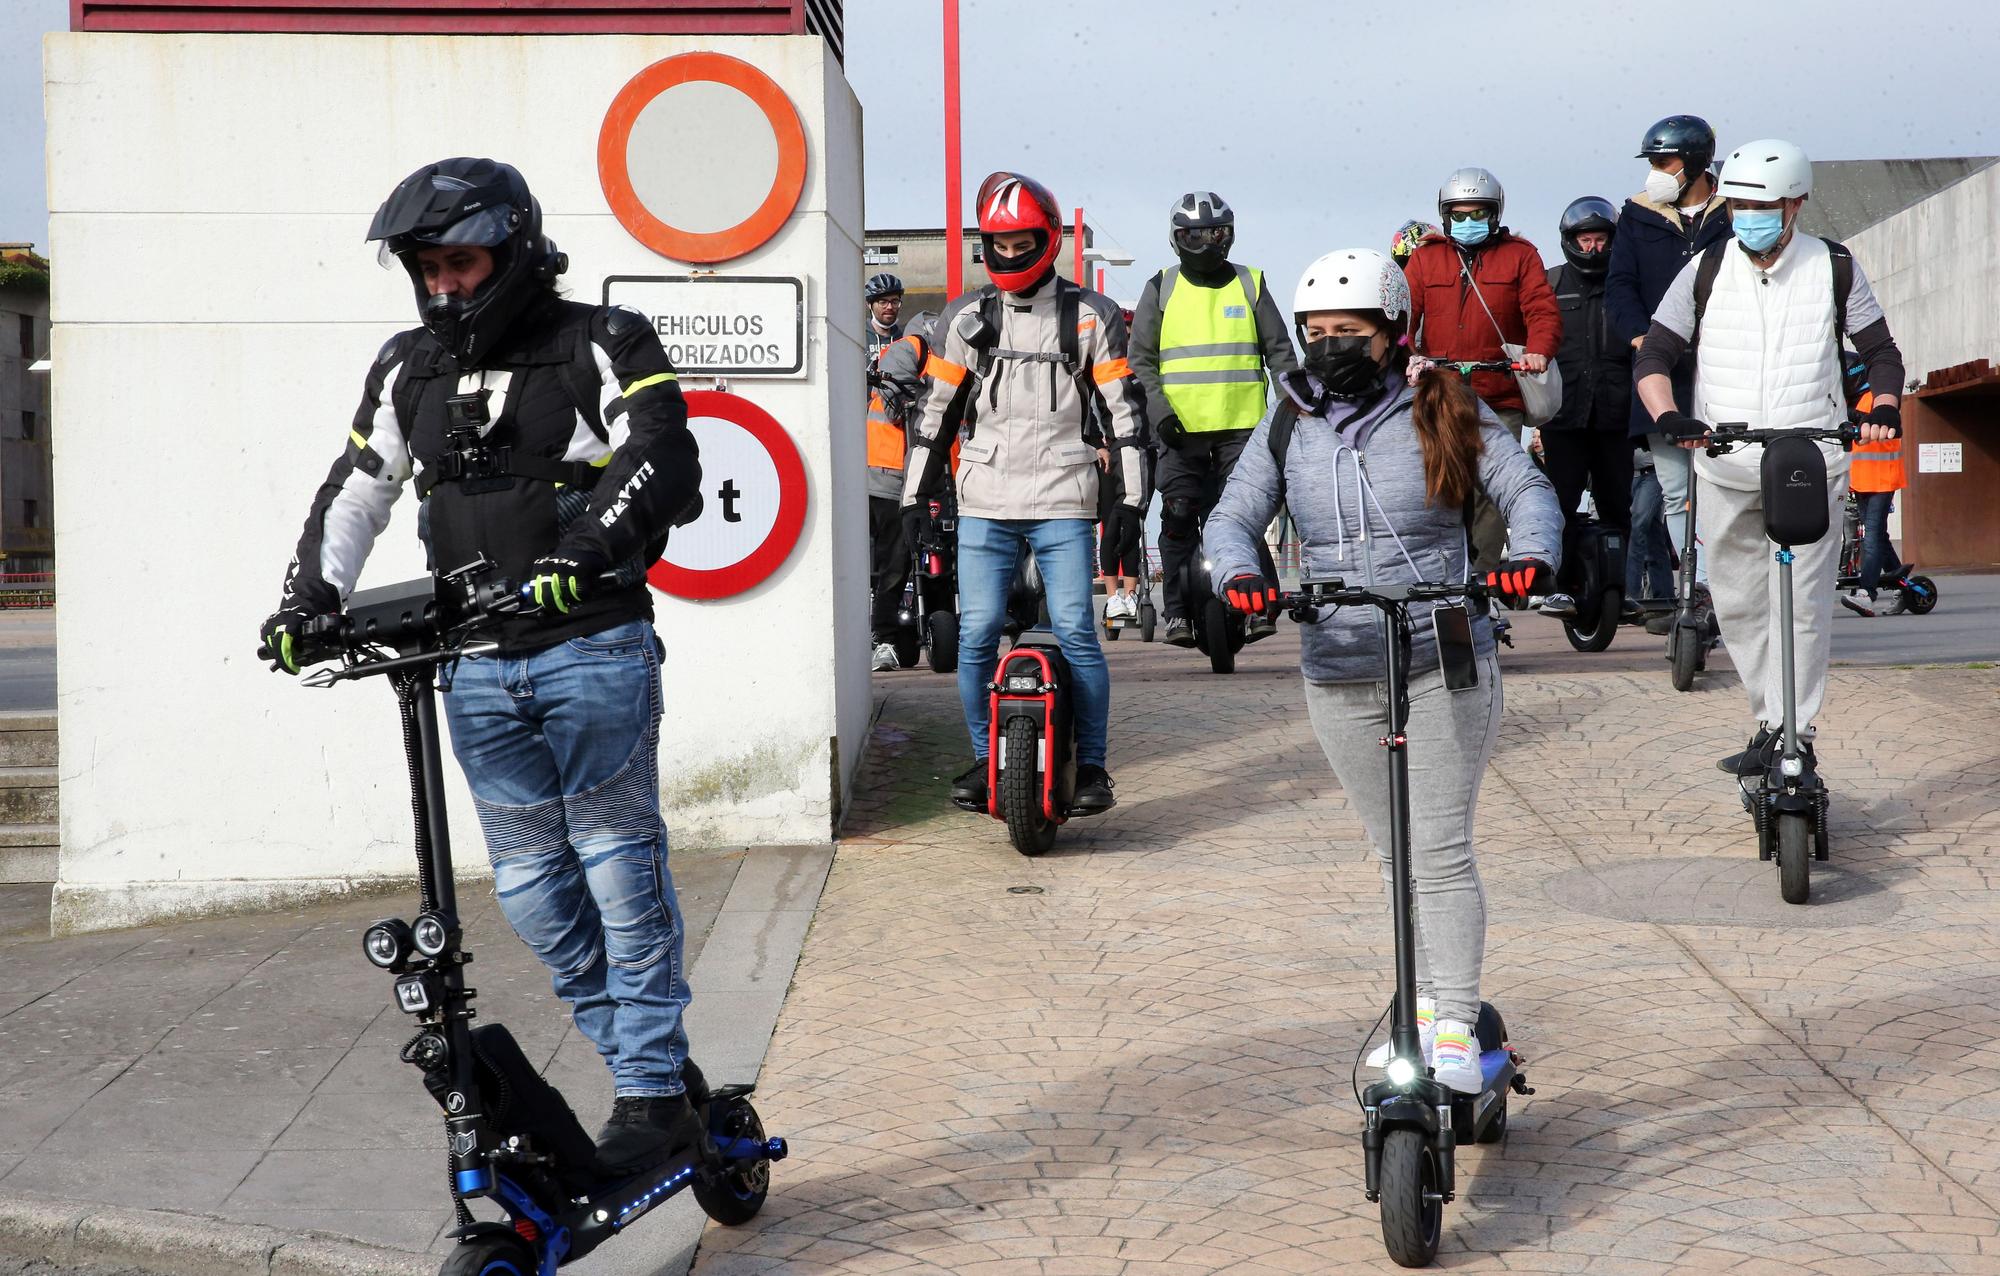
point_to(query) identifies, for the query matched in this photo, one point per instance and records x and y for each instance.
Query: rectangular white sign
(1940, 458)
(721, 325)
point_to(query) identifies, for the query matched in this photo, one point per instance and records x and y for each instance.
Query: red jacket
(1449, 322)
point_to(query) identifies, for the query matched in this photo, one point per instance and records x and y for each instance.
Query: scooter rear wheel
(1684, 650)
(1920, 596)
(944, 642)
(1412, 1203)
(734, 1198)
(1028, 826)
(1794, 838)
(1149, 619)
(489, 1254)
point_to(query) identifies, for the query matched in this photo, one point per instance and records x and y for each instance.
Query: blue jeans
(1673, 466)
(989, 552)
(561, 749)
(1649, 569)
(1878, 555)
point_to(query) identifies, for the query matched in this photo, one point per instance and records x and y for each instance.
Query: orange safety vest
(886, 442)
(1876, 467)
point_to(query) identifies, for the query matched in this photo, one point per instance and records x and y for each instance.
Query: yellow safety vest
(1211, 363)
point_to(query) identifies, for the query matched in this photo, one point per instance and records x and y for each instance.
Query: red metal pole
(954, 180)
(1100, 279)
(1079, 246)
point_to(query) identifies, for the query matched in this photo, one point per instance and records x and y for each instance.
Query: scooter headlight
(433, 933)
(387, 943)
(1401, 1071)
(1793, 768)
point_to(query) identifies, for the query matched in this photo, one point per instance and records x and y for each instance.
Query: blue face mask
(1758, 228)
(1470, 232)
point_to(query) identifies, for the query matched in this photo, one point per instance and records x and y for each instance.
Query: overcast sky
(1324, 124)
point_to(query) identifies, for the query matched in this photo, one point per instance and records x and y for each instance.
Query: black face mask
(445, 315)
(1344, 365)
(1204, 261)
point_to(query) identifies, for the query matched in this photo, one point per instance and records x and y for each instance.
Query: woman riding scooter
(1400, 517)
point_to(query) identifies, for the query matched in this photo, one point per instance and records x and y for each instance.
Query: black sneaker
(1660, 623)
(1755, 756)
(1093, 792)
(1179, 632)
(969, 789)
(647, 1131)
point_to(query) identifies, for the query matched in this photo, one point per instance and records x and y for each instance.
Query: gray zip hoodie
(1337, 464)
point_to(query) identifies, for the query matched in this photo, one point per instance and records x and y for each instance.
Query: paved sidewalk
(1133, 1055)
(246, 1068)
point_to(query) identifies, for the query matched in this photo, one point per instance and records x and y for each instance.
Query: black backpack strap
(1284, 419)
(1704, 284)
(1843, 283)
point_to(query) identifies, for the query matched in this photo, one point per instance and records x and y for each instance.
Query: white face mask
(1662, 187)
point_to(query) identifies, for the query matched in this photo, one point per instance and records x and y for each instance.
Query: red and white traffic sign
(753, 487)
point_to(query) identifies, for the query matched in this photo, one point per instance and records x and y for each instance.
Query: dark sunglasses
(1470, 215)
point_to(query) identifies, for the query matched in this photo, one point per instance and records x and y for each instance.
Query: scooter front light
(1792, 767)
(1401, 1071)
(433, 933)
(387, 943)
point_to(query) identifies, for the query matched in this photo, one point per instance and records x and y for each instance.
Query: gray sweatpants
(1451, 736)
(1743, 580)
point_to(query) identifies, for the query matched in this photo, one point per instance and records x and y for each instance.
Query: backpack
(1711, 265)
(1069, 307)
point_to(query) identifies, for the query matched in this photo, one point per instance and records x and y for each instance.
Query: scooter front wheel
(1028, 826)
(735, 1197)
(1794, 838)
(1684, 650)
(489, 1254)
(944, 642)
(1412, 1204)
(1920, 595)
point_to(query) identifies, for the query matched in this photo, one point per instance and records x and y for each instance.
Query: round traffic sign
(753, 502)
(702, 157)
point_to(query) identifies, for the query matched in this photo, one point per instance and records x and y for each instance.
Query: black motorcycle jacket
(584, 451)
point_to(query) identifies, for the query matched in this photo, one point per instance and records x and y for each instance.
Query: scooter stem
(1403, 1040)
(418, 701)
(1786, 654)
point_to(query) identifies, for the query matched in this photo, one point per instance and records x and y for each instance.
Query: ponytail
(1446, 417)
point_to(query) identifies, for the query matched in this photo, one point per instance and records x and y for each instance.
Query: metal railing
(19, 590)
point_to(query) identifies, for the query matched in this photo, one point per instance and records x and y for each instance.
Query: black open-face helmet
(1687, 136)
(480, 203)
(1590, 213)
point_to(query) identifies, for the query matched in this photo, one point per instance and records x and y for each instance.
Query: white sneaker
(885, 657)
(1426, 1028)
(1114, 607)
(1455, 1057)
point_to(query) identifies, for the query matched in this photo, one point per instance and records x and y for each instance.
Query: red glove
(1249, 594)
(1520, 577)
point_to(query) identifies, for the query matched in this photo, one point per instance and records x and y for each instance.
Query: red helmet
(1009, 202)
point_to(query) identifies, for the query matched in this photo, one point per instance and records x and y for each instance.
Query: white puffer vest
(1766, 356)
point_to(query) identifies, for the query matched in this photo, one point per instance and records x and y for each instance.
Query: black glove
(559, 580)
(1886, 414)
(1680, 427)
(278, 638)
(1520, 577)
(1249, 594)
(1172, 433)
(916, 525)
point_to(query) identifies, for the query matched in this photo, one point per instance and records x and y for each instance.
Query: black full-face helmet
(479, 203)
(1590, 213)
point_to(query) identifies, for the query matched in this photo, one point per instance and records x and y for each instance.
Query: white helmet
(1766, 170)
(1352, 279)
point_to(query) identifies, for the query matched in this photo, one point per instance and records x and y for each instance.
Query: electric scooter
(1690, 634)
(1413, 1124)
(510, 1135)
(1919, 593)
(1786, 802)
(1149, 616)
(929, 610)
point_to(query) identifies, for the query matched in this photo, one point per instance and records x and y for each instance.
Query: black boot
(1093, 792)
(969, 789)
(647, 1131)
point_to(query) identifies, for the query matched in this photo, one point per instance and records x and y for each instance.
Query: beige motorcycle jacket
(1016, 375)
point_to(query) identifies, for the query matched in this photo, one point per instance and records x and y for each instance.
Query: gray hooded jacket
(1337, 464)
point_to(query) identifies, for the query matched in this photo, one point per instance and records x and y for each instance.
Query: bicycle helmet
(880, 286)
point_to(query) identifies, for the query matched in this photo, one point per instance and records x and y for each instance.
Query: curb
(75, 1233)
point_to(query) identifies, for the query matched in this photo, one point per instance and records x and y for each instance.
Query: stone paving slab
(1143, 1065)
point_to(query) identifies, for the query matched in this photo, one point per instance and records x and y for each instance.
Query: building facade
(27, 514)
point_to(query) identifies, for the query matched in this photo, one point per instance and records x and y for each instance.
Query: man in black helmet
(550, 439)
(1675, 218)
(1585, 443)
(1207, 340)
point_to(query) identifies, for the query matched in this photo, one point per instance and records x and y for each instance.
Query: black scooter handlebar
(1305, 603)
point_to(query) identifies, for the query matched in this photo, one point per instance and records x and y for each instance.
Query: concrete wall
(1936, 268)
(214, 318)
